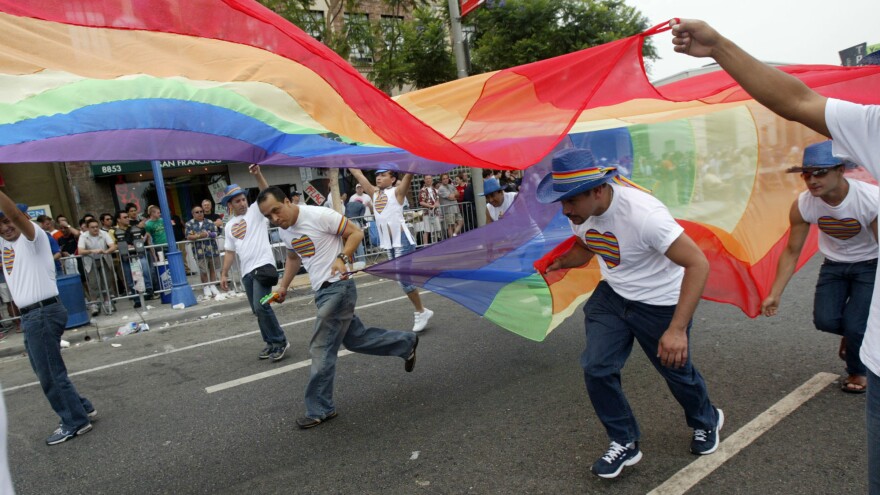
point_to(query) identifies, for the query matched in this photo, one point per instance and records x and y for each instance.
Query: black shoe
(410, 362)
(306, 422)
(149, 296)
(137, 303)
(266, 352)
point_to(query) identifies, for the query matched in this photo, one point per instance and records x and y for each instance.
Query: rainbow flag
(86, 80)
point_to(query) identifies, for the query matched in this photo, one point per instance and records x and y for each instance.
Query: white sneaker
(214, 290)
(421, 319)
(207, 292)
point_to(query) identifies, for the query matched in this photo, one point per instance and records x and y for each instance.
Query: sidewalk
(155, 314)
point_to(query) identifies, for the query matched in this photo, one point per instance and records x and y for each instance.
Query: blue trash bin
(164, 273)
(74, 300)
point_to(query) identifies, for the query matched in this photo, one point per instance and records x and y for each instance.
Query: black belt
(37, 305)
(326, 284)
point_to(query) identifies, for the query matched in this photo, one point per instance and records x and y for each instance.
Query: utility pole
(460, 64)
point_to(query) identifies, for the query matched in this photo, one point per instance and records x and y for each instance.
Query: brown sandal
(850, 386)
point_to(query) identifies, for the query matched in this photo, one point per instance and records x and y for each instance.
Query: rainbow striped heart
(303, 246)
(239, 230)
(843, 229)
(8, 259)
(605, 245)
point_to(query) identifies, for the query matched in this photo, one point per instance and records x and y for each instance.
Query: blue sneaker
(266, 352)
(618, 456)
(62, 434)
(278, 351)
(706, 441)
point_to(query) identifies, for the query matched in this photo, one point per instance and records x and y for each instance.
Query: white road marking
(266, 374)
(691, 474)
(201, 344)
(291, 367)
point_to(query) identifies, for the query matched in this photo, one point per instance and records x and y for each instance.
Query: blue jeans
(612, 323)
(42, 340)
(335, 325)
(269, 328)
(842, 301)
(872, 407)
(405, 248)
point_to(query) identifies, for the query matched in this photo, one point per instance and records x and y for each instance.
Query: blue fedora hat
(231, 191)
(490, 186)
(819, 156)
(572, 171)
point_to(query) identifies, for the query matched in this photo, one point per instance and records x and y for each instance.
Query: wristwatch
(344, 257)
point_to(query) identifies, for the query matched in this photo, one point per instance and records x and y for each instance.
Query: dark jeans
(42, 340)
(266, 319)
(335, 325)
(872, 407)
(843, 298)
(612, 323)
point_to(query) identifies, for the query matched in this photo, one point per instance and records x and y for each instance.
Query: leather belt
(37, 305)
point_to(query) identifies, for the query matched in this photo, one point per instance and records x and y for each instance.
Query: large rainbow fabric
(208, 79)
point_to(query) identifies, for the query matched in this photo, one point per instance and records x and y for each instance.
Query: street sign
(101, 169)
(468, 5)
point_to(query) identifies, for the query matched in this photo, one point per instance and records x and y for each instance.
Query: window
(360, 40)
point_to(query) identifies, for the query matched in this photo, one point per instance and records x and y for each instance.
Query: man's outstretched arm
(782, 93)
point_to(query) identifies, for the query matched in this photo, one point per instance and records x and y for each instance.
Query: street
(185, 410)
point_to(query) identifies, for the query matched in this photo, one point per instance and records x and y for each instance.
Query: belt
(37, 305)
(326, 284)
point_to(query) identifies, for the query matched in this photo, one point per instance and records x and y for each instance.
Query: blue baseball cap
(21, 207)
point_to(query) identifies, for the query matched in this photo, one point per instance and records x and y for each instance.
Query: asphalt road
(485, 411)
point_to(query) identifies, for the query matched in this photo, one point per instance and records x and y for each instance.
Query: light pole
(181, 292)
(461, 66)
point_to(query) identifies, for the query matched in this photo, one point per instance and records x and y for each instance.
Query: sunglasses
(817, 172)
(197, 211)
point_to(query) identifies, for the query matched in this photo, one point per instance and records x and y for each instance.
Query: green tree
(426, 53)
(515, 32)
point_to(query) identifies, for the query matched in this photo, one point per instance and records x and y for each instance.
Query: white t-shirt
(855, 130)
(631, 239)
(496, 213)
(363, 198)
(845, 233)
(29, 268)
(248, 236)
(316, 238)
(101, 241)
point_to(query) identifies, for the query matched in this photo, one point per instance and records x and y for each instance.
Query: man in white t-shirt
(30, 274)
(389, 200)
(361, 197)
(95, 246)
(325, 241)
(247, 236)
(498, 201)
(846, 214)
(855, 130)
(653, 276)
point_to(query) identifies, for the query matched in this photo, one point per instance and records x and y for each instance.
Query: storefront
(187, 182)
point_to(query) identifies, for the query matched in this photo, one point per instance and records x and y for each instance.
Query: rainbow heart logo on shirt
(303, 246)
(8, 259)
(381, 202)
(239, 230)
(605, 245)
(842, 229)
